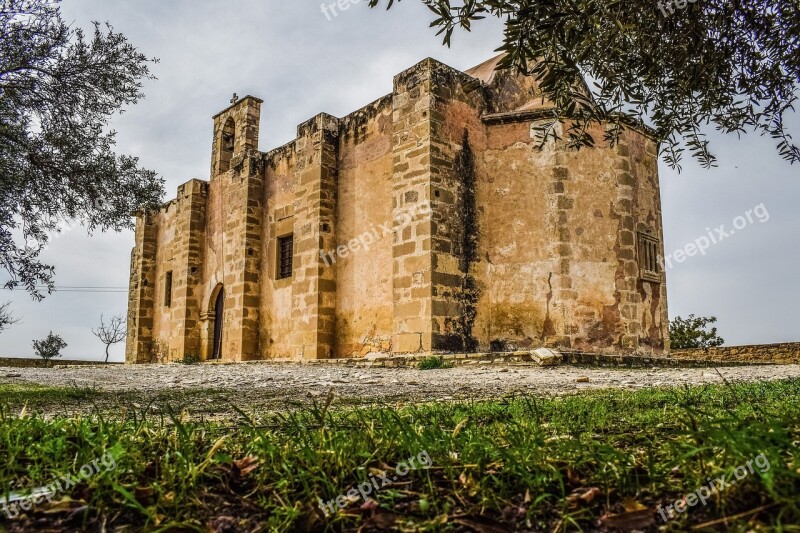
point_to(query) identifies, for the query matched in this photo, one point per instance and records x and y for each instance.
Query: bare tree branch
(112, 333)
(7, 319)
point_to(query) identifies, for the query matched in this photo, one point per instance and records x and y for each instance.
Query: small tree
(111, 333)
(691, 333)
(49, 347)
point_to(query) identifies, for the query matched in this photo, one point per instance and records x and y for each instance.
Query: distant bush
(691, 333)
(434, 362)
(49, 347)
(189, 359)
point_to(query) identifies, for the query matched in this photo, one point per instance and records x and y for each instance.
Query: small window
(168, 289)
(649, 257)
(285, 252)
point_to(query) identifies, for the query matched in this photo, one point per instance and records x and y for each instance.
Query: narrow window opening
(219, 313)
(285, 253)
(168, 289)
(649, 260)
(227, 145)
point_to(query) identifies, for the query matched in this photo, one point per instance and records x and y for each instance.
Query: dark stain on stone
(469, 293)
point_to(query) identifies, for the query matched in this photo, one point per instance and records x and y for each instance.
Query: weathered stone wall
(187, 264)
(411, 175)
(458, 139)
(556, 263)
(328, 187)
(234, 235)
(363, 206)
(214, 264)
(650, 322)
(141, 295)
(242, 257)
(313, 281)
(515, 309)
(782, 353)
(558, 243)
(165, 337)
(276, 294)
(38, 362)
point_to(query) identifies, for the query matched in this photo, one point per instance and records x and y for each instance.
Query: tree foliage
(693, 333)
(112, 333)
(58, 90)
(49, 347)
(675, 65)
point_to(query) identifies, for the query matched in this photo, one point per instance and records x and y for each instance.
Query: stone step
(518, 358)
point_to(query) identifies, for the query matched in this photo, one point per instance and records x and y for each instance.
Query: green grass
(73, 400)
(518, 464)
(433, 362)
(31, 394)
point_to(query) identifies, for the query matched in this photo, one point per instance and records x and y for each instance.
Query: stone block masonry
(787, 353)
(141, 293)
(314, 282)
(411, 257)
(527, 244)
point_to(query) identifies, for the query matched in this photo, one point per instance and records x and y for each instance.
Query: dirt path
(271, 386)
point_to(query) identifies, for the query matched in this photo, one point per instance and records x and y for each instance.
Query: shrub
(189, 359)
(434, 362)
(49, 347)
(691, 333)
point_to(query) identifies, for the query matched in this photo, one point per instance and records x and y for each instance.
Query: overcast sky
(301, 63)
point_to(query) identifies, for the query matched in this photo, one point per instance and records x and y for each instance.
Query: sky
(302, 61)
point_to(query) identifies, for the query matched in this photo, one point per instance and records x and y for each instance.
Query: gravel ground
(275, 384)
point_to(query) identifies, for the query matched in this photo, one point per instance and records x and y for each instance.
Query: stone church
(438, 218)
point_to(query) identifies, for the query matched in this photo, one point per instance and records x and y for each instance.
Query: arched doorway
(219, 308)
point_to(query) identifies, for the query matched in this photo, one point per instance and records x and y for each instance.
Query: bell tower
(235, 132)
